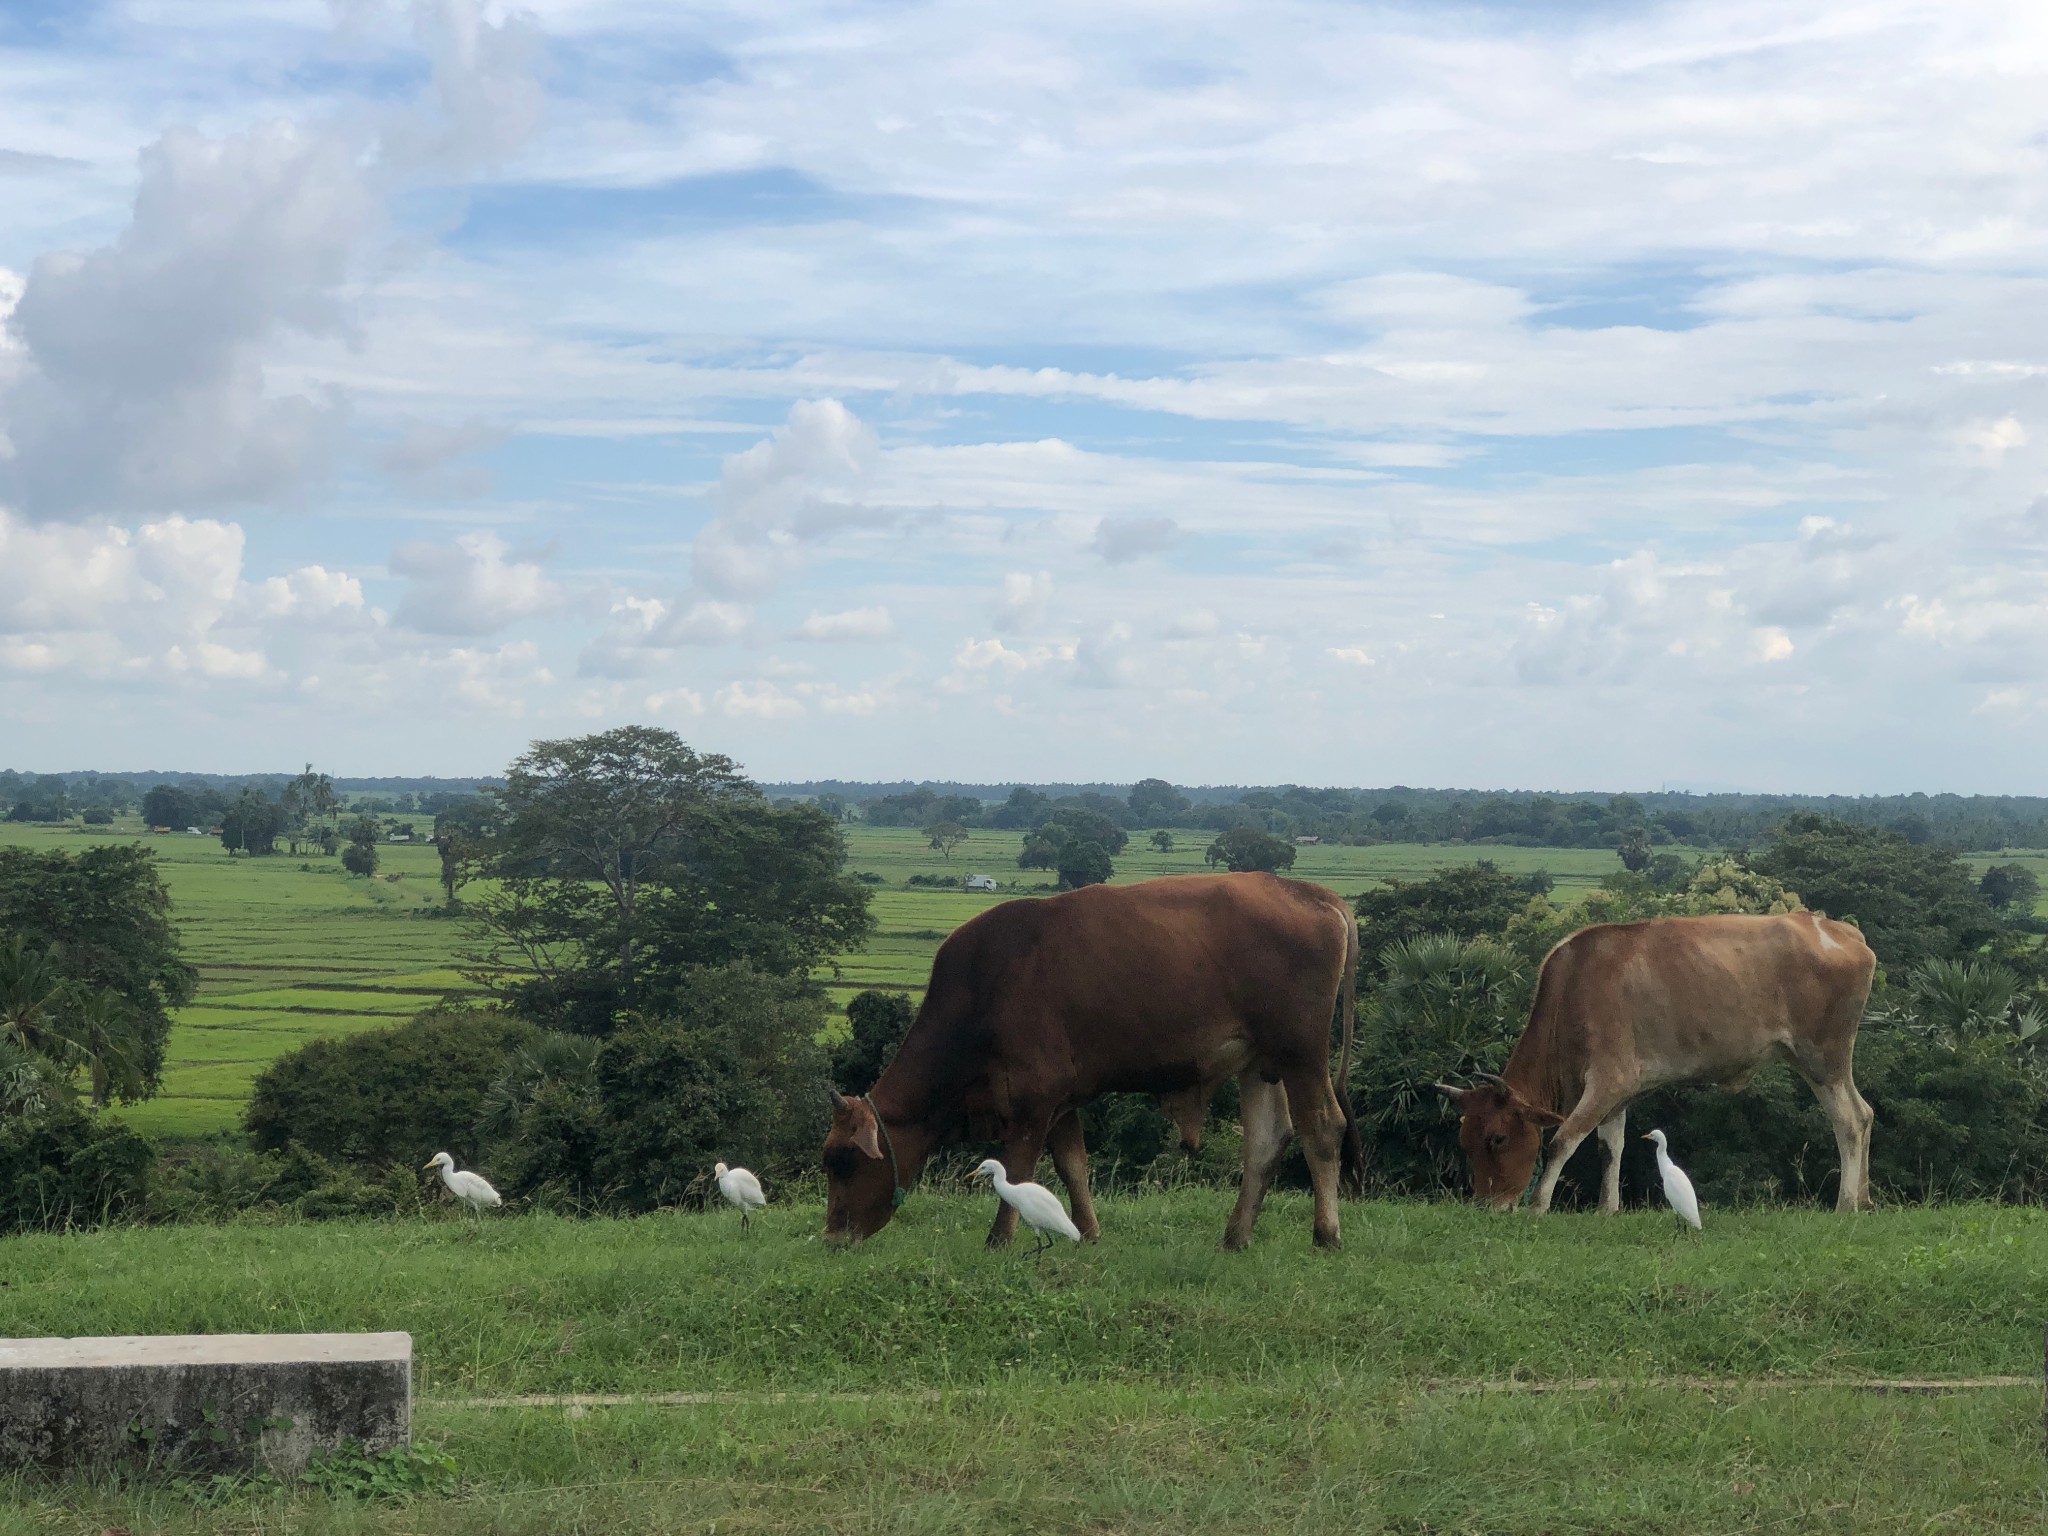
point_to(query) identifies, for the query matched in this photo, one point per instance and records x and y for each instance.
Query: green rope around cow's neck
(897, 1193)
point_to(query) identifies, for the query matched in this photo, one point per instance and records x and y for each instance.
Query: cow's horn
(839, 1100)
(1449, 1092)
(1494, 1078)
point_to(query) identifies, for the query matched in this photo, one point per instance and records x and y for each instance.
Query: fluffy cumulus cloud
(474, 586)
(1591, 395)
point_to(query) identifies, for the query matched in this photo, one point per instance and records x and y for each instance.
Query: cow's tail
(1353, 1167)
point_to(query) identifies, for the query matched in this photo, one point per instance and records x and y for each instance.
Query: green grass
(1146, 1383)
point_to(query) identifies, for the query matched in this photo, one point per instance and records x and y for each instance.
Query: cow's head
(1502, 1134)
(860, 1189)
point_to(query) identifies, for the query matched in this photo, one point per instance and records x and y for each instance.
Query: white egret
(1677, 1187)
(472, 1189)
(742, 1189)
(1039, 1206)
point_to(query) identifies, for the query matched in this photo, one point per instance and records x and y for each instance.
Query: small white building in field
(979, 883)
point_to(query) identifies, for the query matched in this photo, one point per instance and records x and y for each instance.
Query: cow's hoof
(1329, 1240)
(1235, 1242)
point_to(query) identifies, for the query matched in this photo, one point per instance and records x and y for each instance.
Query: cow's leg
(1319, 1122)
(1070, 1160)
(1021, 1149)
(1263, 1114)
(1613, 1135)
(1851, 1117)
(1592, 1109)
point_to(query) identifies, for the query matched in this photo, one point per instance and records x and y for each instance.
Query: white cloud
(1022, 599)
(853, 624)
(797, 486)
(474, 586)
(1351, 655)
(758, 701)
(1120, 540)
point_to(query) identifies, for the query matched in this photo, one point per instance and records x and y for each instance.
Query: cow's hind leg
(1613, 1135)
(1319, 1122)
(1263, 1114)
(1851, 1116)
(1069, 1150)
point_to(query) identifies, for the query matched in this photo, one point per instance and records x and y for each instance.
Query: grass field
(1147, 1383)
(292, 948)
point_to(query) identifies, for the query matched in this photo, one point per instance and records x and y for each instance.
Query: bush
(732, 1072)
(389, 1097)
(70, 1169)
(1467, 902)
(877, 1022)
(360, 859)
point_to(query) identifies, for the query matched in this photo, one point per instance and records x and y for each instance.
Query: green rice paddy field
(291, 948)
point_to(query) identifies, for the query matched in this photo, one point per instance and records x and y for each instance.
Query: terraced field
(288, 949)
(293, 948)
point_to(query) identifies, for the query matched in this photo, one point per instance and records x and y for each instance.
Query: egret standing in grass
(472, 1189)
(1677, 1187)
(742, 1189)
(1039, 1206)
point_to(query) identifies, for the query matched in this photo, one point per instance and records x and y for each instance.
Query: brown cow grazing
(1627, 1007)
(1167, 987)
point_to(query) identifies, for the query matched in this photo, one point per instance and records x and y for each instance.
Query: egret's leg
(1263, 1115)
(1070, 1160)
(1021, 1149)
(1613, 1135)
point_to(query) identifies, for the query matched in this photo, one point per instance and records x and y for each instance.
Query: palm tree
(29, 1084)
(103, 1036)
(1961, 1000)
(31, 989)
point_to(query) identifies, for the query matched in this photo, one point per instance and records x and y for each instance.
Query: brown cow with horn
(1167, 987)
(1627, 1007)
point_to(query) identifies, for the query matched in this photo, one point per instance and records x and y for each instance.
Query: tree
(876, 1024)
(944, 836)
(48, 799)
(1025, 809)
(1635, 850)
(2011, 888)
(251, 823)
(104, 1038)
(1247, 848)
(624, 860)
(1079, 821)
(102, 919)
(1082, 862)
(307, 799)
(1042, 848)
(1470, 901)
(1162, 840)
(449, 847)
(360, 856)
(1156, 803)
(1913, 902)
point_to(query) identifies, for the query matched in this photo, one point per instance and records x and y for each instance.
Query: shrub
(732, 1072)
(391, 1096)
(877, 1022)
(70, 1169)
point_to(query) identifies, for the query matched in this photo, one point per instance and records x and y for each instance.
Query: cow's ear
(864, 1132)
(1535, 1116)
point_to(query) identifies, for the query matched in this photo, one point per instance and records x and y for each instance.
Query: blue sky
(1485, 395)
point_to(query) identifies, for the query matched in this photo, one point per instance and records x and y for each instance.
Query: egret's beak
(425, 1166)
(1646, 1138)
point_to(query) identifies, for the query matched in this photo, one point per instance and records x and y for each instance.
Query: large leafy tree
(1914, 902)
(623, 859)
(100, 920)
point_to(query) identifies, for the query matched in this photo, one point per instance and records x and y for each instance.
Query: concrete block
(224, 1402)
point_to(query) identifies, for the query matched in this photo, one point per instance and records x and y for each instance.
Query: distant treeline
(202, 798)
(1402, 814)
